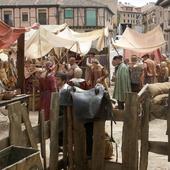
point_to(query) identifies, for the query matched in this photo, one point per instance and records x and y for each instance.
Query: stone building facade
(166, 22)
(129, 15)
(79, 14)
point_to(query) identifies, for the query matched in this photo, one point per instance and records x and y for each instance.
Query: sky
(138, 2)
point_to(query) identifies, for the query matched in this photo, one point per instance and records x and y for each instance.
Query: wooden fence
(74, 157)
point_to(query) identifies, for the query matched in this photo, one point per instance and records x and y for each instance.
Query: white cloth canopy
(43, 41)
(141, 42)
(86, 41)
(51, 28)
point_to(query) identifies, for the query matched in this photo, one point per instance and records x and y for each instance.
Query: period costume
(47, 86)
(149, 71)
(122, 83)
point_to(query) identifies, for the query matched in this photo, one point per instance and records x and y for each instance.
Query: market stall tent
(8, 35)
(141, 42)
(51, 28)
(87, 40)
(43, 41)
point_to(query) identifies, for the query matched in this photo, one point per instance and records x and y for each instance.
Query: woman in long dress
(47, 86)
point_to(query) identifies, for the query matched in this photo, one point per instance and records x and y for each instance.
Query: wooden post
(43, 142)
(168, 126)
(15, 132)
(65, 140)
(70, 138)
(28, 127)
(145, 134)
(98, 145)
(130, 133)
(20, 62)
(54, 131)
(79, 145)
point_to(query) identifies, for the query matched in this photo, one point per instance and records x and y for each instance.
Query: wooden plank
(5, 142)
(70, 137)
(130, 133)
(119, 115)
(54, 131)
(168, 126)
(20, 62)
(145, 135)
(15, 132)
(98, 145)
(109, 165)
(28, 127)
(158, 147)
(43, 142)
(79, 145)
(65, 141)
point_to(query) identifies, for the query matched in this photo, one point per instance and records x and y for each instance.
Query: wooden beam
(79, 145)
(98, 145)
(145, 135)
(109, 165)
(28, 126)
(15, 117)
(70, 138)
(54, 131)
(20, 62)
(119, 115)
(5, 142)
(130, 133)
(158, 147)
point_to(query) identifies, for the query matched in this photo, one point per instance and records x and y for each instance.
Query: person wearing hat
(47, 83)
(136, 74)
(78, 81)
(122, 81)
(72, 66)
(98, 74)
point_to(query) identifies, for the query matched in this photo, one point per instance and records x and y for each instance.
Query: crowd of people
(133, 75)
(54, 78)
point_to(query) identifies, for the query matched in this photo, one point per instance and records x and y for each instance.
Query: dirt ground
(157, 133)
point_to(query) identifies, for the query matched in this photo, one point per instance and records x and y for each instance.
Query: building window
(91, 17)
(25, 16)
(68, 13)
(8, 17)
(42, 16)
(128, 21)
(124, 21)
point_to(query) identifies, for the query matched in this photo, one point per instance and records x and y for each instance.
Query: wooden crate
(20, 158)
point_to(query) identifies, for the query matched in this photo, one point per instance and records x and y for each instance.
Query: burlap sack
(158, 88)
(160, 99)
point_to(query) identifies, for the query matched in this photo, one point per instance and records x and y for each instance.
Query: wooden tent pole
(20, 62)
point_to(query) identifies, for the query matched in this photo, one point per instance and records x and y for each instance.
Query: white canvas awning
(141, 42)
(51, 28)
(86, 41)
(43, 41)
